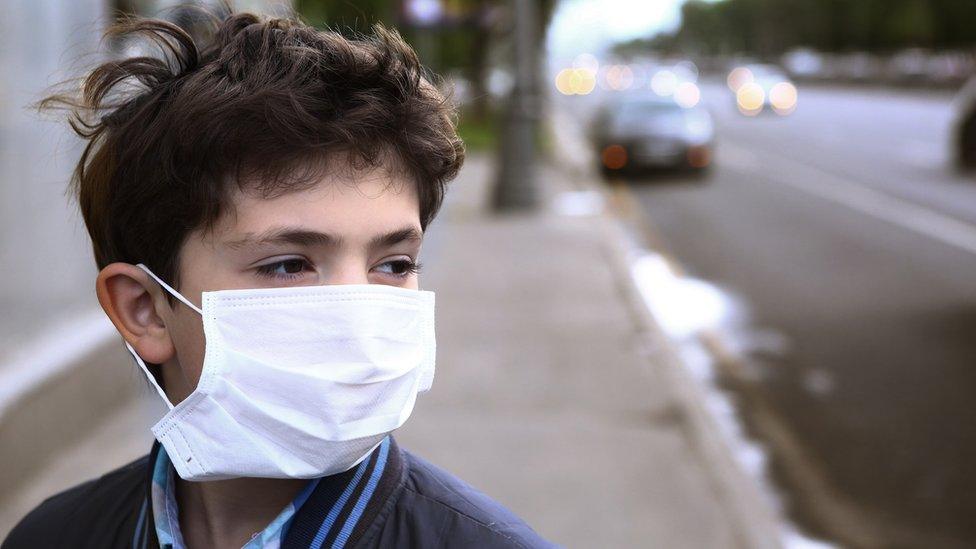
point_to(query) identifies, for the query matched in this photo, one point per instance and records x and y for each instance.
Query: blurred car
(964, 128)
(653, 132)
(762, 87)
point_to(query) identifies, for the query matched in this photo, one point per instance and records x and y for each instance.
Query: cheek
(189, 341)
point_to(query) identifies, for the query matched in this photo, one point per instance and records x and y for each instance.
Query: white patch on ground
(579, 203)
(818, 382)
(682, 306)
(765, 343)
(795, 540)
(686, 308)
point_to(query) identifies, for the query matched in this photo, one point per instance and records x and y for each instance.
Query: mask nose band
(170, 289)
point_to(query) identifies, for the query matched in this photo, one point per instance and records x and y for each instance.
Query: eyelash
(269, 269)
(410, 268)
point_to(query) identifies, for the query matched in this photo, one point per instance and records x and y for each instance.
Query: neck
(226, 513)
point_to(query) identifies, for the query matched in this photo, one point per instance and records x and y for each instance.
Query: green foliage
(460, 47)
(477, 132)
(345, 15)
(910, 22)
(454, 46)
(773, 26)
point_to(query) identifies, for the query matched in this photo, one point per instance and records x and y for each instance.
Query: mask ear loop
(169, 289)
(132, 351)
(152, 379)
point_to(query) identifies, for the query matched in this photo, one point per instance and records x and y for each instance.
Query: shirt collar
(166, 513)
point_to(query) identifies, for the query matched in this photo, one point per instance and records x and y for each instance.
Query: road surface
(848, 237)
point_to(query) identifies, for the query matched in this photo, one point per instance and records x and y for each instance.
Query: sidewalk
(554, 393)
(545, 396)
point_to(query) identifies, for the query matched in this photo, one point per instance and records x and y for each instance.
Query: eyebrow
(303, 237)
(392, 238)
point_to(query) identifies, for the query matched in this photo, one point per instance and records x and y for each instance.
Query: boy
(256, 207)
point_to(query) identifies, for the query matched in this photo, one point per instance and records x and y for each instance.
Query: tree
(461, 41)
(770, 27)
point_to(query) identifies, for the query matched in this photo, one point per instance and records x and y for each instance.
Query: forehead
(340, 201)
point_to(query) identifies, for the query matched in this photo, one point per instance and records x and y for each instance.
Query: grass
(479, 134)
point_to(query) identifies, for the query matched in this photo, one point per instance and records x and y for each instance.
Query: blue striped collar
(329, 512)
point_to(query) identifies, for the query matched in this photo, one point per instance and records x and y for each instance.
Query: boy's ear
(133, 301)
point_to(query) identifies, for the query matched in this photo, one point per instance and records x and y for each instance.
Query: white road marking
(877, 204)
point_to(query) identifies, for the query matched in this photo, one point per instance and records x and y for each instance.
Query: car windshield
(659, 115)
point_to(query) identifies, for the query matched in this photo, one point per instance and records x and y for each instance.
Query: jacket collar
(339, 511)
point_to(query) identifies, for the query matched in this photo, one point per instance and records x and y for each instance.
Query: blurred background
(809, 164)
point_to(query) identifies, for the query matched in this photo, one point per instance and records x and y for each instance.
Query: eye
(288, 269)
(400, 268)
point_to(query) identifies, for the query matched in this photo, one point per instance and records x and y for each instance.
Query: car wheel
(702, 174)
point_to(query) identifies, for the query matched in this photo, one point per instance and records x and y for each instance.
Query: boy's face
(361, 228)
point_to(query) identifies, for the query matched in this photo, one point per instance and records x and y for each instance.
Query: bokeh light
(783, 98)
(750, 98)
(575, 81)
(664, 82)
(687, 95)
(618, 77)
(614, 157)
(739, 77)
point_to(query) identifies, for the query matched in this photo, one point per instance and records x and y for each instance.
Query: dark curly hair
(259, 100)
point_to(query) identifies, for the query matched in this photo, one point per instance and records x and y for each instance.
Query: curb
(757, 525)
(56, 390)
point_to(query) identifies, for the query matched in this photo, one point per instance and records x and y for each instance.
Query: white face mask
(298, 382)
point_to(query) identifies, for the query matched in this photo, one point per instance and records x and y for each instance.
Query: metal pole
(515, 189)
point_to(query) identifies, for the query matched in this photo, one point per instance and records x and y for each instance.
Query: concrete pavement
(555, 393)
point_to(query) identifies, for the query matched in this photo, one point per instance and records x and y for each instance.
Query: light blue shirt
(166, 513)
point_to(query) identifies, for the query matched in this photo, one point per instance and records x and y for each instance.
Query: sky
(592, 25)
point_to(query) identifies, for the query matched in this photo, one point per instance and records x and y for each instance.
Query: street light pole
(515, 189)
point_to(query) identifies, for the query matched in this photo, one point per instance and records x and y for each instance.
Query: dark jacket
(416, 505)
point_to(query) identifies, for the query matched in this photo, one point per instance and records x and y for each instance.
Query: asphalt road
(845, 232)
